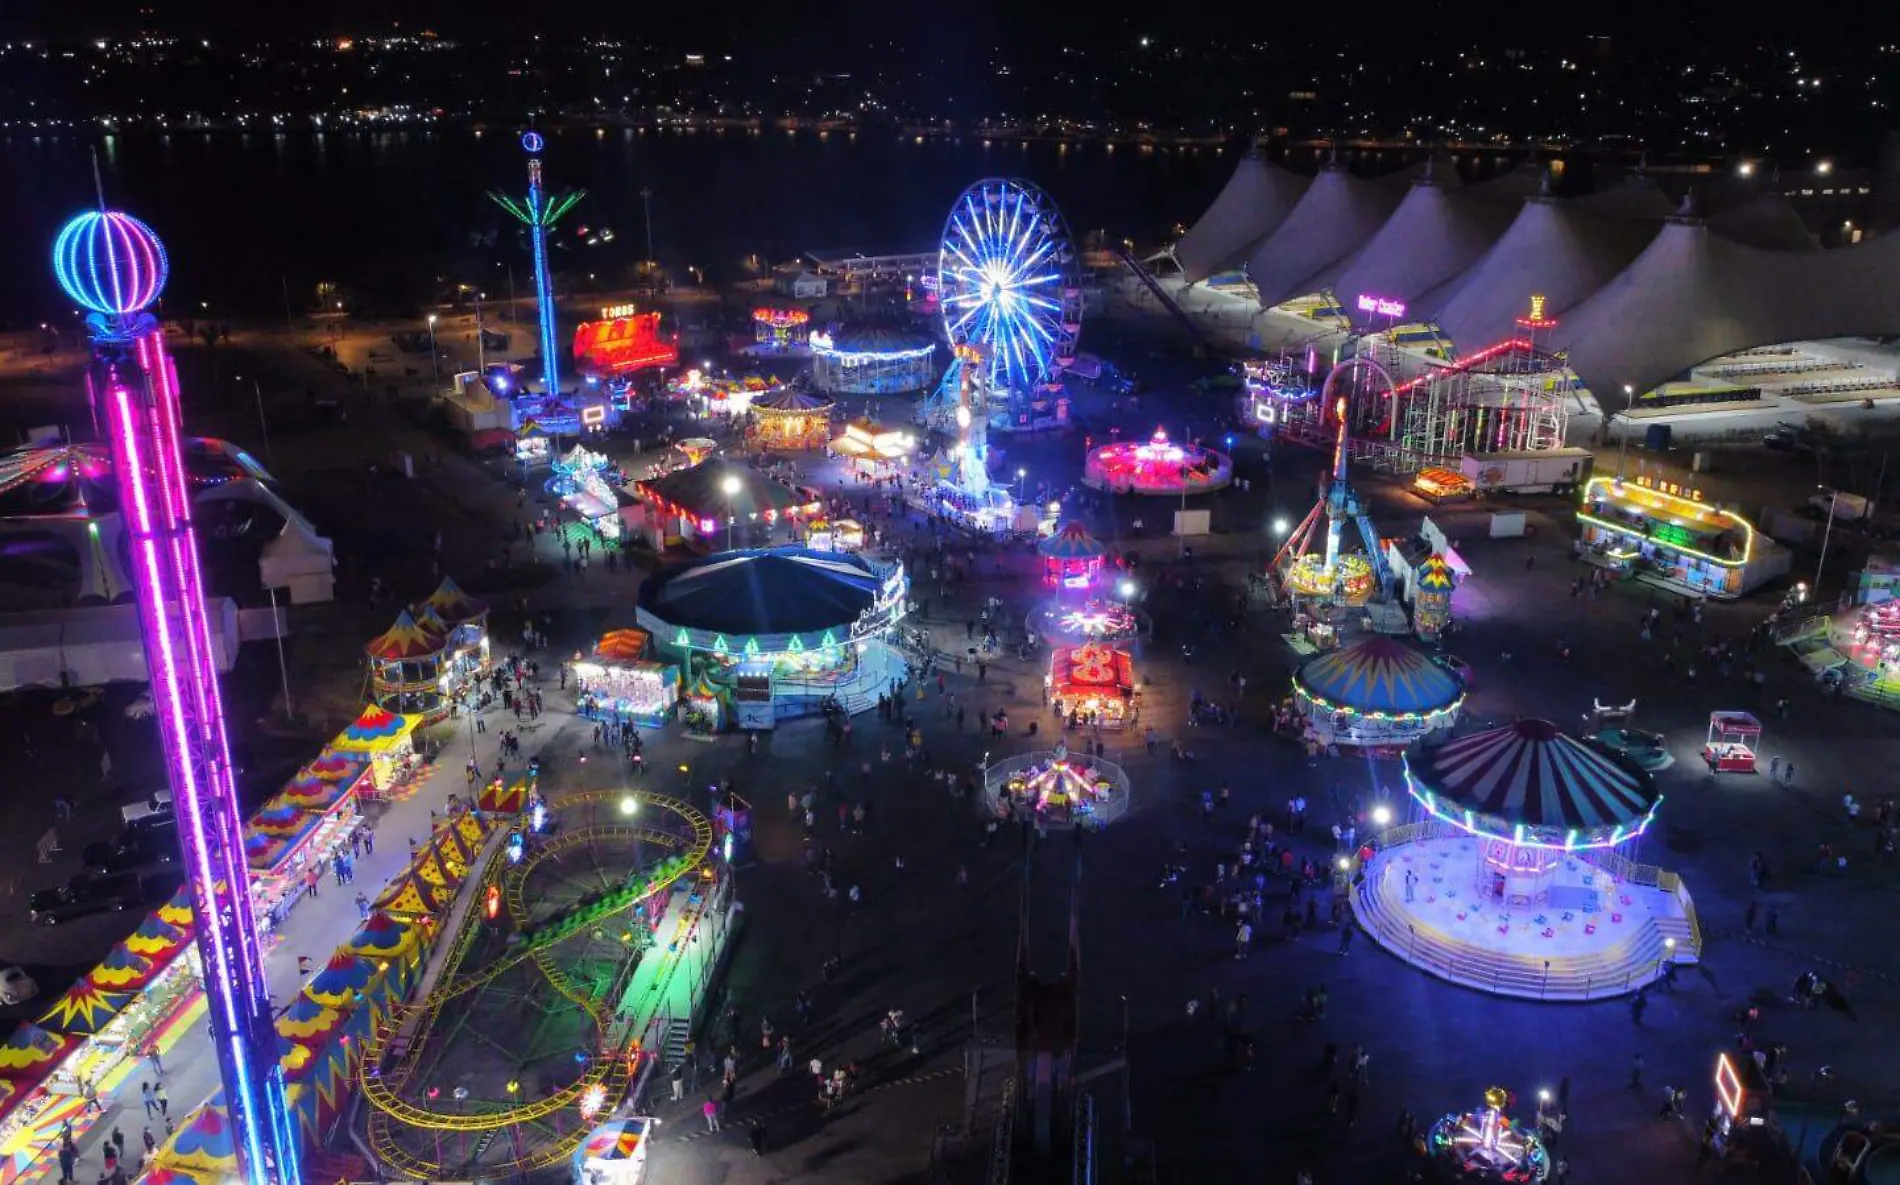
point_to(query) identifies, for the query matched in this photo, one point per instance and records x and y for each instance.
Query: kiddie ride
(1487, 1145)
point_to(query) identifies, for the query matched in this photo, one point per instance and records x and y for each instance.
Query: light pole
(646, 206)
(481, 347)
(1833, 500)
(1020, 475)
(262, 423)
(435, 357)
(1623, 435)
(731, 486)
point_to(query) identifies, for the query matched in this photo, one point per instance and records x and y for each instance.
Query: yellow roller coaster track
(608, 1070)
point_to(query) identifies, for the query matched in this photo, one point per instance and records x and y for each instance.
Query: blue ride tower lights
(114, 266)
(539, 212)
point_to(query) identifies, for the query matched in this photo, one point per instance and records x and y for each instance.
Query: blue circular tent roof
(1377, 674)
(763, 591)
(877, 339)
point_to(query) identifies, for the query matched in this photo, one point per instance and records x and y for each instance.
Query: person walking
(1345, 938)
(710, 1110)
(678, 1080)
(758, 1139)
(145, 1096)
(1636, 1072)
(164, 1103)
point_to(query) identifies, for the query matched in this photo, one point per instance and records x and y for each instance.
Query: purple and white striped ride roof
(1530, 773)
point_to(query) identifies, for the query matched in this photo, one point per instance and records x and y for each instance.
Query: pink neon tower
(114, 266)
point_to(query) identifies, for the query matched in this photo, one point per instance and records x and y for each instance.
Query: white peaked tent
(1764, 220)
(1693, 295)
(1554, 250)
(1437, 232)
(1637, 199)
(1316, 242)
(1252, 205)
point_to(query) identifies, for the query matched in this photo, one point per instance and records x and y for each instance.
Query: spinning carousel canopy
(791, 401)
(783, 590)
(1531, 775)
(406, 640)
(1072, 542)
(1377, 674)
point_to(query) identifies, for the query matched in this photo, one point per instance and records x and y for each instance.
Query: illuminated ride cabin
(621, 343)
(779, 631)
(1668, 535)
(781, 330)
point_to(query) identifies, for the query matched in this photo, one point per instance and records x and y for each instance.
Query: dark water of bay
(397, 217)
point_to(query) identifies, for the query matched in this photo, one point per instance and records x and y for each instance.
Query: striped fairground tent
(1531, 774)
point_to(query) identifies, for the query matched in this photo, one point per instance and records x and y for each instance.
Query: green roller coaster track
(380, 1083)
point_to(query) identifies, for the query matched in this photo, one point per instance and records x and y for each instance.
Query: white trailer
(1544, 471)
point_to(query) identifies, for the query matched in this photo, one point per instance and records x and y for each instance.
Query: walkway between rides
(314, 929)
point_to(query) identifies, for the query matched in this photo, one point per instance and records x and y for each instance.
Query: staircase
(1613, 971)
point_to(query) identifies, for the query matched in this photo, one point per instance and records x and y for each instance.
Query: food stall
(705, 711)
(1092, 684)
(1734, 736)
(616, 683)
(1668, 534)
(532, 447)
(386, 739)
(506, 795)
(301, 828)
(1442, 485)
(843, 534)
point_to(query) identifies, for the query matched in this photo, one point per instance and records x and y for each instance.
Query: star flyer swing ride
(114, 266)
(1328, 575)
(539, 210)
(1008, 284)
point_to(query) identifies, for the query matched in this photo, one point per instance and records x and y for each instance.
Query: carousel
(781, 631)
(791, 421)
(1377, 694)
(618, 682)
(1158, 466)
(1092, 685)
(1071, 558)
(1517, 873)
(1057, 788)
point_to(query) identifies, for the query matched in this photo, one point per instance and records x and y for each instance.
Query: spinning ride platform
(1512, 878)
(546, 992)
(1158, 467)
(1486, 1145)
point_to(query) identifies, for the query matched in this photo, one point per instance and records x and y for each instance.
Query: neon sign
(614, 312)
(1382, 307)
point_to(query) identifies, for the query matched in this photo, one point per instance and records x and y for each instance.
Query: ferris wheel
(1007, 282)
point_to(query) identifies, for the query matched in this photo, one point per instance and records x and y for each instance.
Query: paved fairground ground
(942, 947)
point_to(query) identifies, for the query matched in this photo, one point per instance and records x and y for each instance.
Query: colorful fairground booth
(589, 484)
(430, 654)
(1668, 535)
(791, 420)
(1092, 685)
(777, 632)
(385, 739)
(618, 682)
(615, 1153)
(1071, 558)
(301, 829)
(1734, 739)
(720, 500)
(1376, 693)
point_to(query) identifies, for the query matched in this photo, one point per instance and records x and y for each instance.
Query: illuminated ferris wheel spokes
(1006, 281)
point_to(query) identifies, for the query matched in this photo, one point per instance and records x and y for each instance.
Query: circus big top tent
(1337, 216)
(1437, 232)
(1252, 205)
(1694, 295)
(1560, 250)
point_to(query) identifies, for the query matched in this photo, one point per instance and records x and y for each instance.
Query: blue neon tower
(539, 213)
(114, 266)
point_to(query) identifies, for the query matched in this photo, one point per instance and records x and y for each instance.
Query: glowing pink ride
(1158, 466)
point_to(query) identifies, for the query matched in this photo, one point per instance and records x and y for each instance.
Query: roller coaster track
(608, 1069)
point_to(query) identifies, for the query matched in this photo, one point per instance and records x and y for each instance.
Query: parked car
(84, 896)
(16, 987)
(155, 842)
